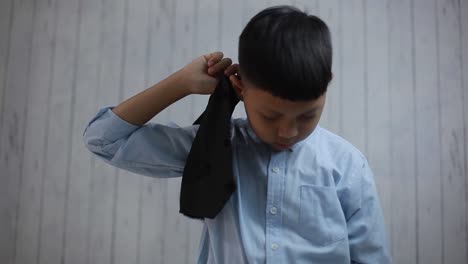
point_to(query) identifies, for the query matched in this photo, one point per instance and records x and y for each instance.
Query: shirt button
(273, 210)
(274, 246)
(275, 169)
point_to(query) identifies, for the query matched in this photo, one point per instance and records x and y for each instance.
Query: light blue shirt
(314, 203)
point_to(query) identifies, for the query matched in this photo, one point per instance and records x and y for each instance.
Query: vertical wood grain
(403, 216)
(14, 108)
(451, 131)
(57, 148)
(280, 2)
(463, 11)
(6, 18)
(378, 103)
(429, 215)
(76, 248)
(29, 210)
(353, 92)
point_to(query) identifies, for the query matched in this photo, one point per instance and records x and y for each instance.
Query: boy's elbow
(101, 146)
(94, 143)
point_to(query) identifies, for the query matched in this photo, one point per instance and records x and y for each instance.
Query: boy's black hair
(287, 53)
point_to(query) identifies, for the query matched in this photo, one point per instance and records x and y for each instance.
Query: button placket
(273, 213)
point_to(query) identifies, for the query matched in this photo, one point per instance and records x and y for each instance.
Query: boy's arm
(153, 149)
(197, 77)
(120, 136)
(366, 228)
(140, 108)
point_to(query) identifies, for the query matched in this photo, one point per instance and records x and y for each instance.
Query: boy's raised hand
(202, 74)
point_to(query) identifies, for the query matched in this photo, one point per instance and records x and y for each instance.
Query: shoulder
(337, 151)
(343, 163)
(349, 167)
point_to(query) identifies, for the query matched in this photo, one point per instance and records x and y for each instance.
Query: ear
(238, 86)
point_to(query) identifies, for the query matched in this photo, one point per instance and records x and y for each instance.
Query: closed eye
(307, 117)
(269, 118)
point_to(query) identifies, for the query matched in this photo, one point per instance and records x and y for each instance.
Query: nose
(287, 131)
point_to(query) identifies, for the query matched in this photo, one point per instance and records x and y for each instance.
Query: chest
(289, 195)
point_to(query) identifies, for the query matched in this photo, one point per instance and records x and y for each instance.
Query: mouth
(283, 146)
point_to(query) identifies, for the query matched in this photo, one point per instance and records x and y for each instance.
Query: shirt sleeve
(365, 223)
(152, 149)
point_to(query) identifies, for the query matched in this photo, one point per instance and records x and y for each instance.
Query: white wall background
(399, 94)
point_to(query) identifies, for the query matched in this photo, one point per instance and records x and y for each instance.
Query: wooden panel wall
(399, 94)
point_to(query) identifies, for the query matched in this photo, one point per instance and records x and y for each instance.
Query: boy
(304, 195)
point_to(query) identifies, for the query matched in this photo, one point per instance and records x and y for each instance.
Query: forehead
(266, 102)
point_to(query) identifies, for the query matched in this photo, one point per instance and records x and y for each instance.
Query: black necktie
(207, 181)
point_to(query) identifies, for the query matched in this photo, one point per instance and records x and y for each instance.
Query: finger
(234, 68)
(214, 57)
(220, 66)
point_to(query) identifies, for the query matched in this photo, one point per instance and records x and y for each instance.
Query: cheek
(265, 128)
(260, 127)
(307, 128)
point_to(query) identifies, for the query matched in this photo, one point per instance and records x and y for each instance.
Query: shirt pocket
(321, 219)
